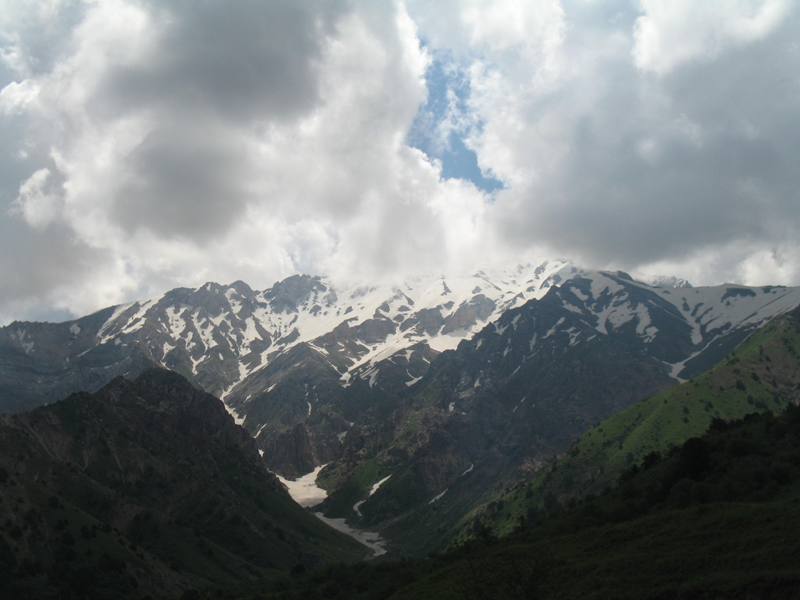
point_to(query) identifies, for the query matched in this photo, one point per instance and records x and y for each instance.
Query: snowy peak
(219, 335)
(668, 281)
(708, 311)
(222, 333)
(687, 329)
(299, 291)
(600, 326)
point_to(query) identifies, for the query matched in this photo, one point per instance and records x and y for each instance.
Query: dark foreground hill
(718, 517)
(145, 488)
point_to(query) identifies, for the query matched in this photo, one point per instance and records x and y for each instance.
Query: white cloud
(669, 34)
(16, 96)
(37, 202)
(617, 168)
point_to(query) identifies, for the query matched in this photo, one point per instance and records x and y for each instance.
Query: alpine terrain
(440, 389)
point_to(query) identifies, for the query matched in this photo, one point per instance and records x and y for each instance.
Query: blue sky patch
(443, 123)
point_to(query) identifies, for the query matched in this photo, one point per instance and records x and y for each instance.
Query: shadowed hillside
(146, 487)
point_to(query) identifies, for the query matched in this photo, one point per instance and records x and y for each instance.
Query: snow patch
(375, 487)
(554, 328)
(101, 334)
(413, 380)
(23, 339)
(304, 490)
(438, 497)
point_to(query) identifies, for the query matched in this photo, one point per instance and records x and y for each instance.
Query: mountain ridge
(452, 387)
(303, 353)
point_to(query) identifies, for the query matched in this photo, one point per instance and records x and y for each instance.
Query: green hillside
(762, 375)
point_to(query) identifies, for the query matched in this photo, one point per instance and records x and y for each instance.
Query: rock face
(145, 487)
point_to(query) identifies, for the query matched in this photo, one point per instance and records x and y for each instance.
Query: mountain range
(444, 388)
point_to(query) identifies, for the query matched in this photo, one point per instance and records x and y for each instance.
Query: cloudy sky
(150, 144)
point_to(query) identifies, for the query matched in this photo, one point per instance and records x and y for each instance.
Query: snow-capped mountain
(220, 335)
(448, 384)
(302, 361)
(678, 325)
(527, 385)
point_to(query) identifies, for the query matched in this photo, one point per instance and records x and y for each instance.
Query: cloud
(254, 61)
(145, 145)
(614, 166)
(45, 273)
(672, 33)
(37, 202)
(196, 141)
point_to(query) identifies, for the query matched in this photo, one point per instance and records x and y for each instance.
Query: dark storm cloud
(215, 73)
(244, 60)
(42, 261)
(183, 182)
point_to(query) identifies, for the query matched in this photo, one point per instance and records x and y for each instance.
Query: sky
(148, 144)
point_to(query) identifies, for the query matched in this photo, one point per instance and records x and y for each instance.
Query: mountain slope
(145, 487)
(719, 517)
(42, 363)
(524, 389)
(763, 374)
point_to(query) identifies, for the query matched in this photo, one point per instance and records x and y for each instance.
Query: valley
(306, 493)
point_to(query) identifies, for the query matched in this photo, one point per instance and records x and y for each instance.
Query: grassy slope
(763, 374)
